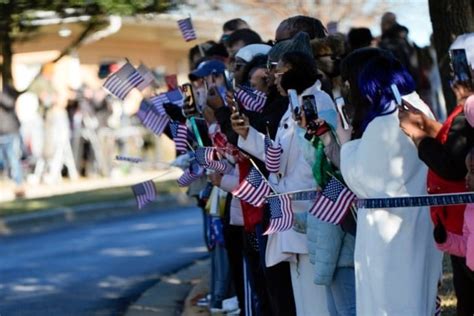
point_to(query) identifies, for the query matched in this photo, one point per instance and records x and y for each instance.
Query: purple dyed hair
(374, 84)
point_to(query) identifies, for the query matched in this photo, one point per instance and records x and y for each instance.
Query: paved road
(97, 268)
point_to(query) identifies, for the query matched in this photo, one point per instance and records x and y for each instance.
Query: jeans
(10, 150)
(341, 293)
(220, 279)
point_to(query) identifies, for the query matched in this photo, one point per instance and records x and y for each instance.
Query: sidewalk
(175, 294)
(84, 184)
(87, 210)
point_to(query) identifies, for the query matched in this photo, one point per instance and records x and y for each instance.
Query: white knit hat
(248, 52)
(466, 42)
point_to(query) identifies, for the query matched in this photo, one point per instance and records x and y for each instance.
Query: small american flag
(252, 100)
(179, 131)
(147, 76)
(144, 192)
(438, 306)
(205, 157)
(333, 203)
(191, 174)
(187, 29)
(272, 155)
(281, 217)
(173, 96)
(121, 82)
(153, 117)
(253, 189)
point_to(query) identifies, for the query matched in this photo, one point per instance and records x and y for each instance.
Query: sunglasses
(271, 65)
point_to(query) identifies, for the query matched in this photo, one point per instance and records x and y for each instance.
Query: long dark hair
(303, 73)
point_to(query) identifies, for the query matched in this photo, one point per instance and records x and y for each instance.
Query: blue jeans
(341, 293)
(10, 150)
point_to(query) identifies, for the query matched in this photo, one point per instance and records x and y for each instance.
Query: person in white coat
(397, 265)
(294, 174)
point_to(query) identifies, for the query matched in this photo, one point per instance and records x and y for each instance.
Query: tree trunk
(6, 45)
(449, 19)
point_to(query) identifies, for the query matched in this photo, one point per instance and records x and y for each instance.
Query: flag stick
(264, 179)
(162, 175)
(201, 50)
(296, 191)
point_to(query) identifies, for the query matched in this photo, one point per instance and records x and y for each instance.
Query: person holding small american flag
(294, 174)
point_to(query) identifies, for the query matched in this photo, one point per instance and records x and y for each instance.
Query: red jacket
(452, 216)
(252, 214)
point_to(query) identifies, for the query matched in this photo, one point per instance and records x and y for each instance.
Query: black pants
(278, 282)
(234, 244)
(257, 277)
(463, 279)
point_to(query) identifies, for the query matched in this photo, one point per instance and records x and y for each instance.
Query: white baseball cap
(248, 52)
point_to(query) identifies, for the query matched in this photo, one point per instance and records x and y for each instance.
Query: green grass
(102, 195)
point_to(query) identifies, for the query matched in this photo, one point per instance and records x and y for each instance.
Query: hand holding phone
(189, 108)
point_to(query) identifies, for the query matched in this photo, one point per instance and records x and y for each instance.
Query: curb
(167, 297)
(42, 220)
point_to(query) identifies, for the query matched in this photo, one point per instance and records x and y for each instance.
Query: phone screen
(190, 102)
(341, 109)
(309, 108)
(228, 81)
(461, 68)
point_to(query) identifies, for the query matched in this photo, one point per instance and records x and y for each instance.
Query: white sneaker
(230, 304)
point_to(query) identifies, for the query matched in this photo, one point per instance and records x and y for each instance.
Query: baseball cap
(206, 68)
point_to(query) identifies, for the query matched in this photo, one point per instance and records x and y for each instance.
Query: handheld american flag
(272, 155)
(121, 82)
(333, 203)
(253, 189)
(252, 100)
(144, 192)
(153, 117)
(205, 157)
(192, 173)
(173, 96)
(147, 76)
(281, 214)
(187, 29)
(179, 131)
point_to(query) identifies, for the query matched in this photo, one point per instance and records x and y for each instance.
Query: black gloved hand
(174, 112)
(439, 233)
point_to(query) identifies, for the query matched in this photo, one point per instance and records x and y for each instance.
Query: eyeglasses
(271, 65)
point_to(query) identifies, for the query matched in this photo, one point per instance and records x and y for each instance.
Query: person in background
(241, 38)
(397, 265)
(231, 26)
(288, 28)
(328, 53)
(10, 140)
(359, 37)
(388, 20)
(443, 148)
